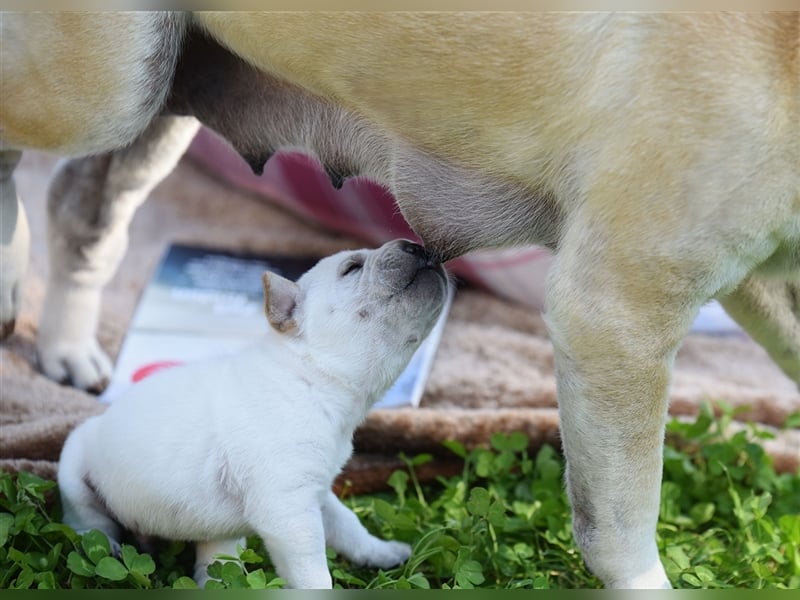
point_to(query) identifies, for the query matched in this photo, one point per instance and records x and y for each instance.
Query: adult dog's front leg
(615, 338)
(91, 203)
(14, 243)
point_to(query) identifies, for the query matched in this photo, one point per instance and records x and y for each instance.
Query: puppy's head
(362, 308)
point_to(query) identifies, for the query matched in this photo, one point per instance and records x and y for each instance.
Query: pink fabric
(365, 210)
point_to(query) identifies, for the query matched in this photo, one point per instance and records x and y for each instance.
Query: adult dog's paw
(83, 365)
(9, 306)
(14, 245)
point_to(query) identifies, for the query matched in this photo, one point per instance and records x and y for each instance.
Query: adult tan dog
(658, 155)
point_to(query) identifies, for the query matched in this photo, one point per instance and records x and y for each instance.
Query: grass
(727, 520)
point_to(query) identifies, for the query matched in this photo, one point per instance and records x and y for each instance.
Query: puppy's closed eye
(352, 265)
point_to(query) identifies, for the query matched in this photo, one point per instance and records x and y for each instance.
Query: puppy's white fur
(214, 451)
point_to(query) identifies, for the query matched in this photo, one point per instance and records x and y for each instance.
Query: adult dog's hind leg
(615, 329)
(91, 203)
(14, 243)
(768, 308)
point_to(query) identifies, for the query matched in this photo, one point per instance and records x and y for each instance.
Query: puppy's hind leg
(768, 308)
(347, 535)
(206, 553)
(14, 243)
(83, 508)
(91, 203)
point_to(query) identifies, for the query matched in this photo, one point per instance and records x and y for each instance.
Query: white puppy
(214, 451)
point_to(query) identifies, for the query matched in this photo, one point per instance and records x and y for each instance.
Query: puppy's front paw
(385, 554)
(82, 364)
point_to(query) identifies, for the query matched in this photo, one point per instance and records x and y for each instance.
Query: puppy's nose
(423, 258)
(412, 248)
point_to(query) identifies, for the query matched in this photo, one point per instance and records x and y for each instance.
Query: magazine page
(204, 303)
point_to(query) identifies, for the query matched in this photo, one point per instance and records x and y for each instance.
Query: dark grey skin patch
(87, 175)
(453, 208)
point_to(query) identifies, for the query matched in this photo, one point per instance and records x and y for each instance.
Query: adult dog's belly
(453, 205)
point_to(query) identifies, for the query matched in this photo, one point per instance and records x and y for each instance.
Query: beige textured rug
(493, 371)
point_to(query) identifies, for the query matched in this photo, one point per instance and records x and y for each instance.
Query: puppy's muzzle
(424, 258)
(404, 266)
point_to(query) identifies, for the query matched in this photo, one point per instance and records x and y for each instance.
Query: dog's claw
(99, 387)
(84, 366)
(96, 389)
(7, 328)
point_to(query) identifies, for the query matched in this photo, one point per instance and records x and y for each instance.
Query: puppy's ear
(280, 301)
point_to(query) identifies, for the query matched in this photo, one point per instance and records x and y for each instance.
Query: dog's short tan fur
(658, 154)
